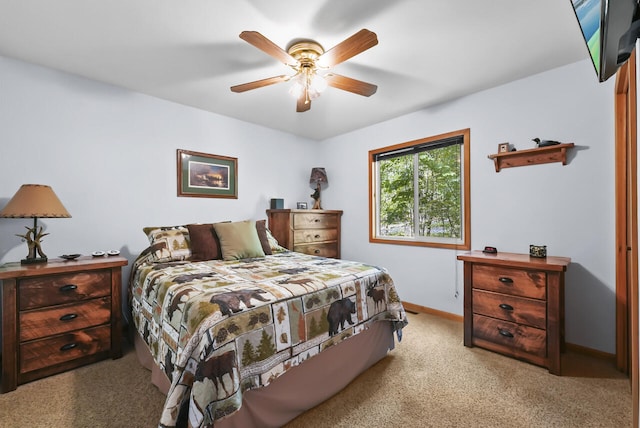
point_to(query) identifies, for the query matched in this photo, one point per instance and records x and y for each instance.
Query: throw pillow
(261, 227)
(239, 240)
(168, 243)
(204, 242)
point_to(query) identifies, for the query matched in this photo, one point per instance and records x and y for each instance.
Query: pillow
(239, 240)
(273, 243)
(168, 243)
(261, 227)
(205, 244)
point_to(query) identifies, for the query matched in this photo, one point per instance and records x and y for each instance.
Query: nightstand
(314, 232)
(59, 315)
(514, 305)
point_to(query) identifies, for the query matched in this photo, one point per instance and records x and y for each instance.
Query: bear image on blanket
(339, 312)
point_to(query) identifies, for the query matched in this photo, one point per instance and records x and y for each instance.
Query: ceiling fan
(307, 58)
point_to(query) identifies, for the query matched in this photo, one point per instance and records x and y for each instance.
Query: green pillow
(239, 240)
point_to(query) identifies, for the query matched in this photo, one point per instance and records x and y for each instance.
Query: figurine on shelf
(545, 143)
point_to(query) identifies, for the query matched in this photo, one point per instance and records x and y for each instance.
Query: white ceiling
(189, 52)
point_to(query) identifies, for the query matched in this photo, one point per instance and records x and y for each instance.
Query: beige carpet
(429, 380)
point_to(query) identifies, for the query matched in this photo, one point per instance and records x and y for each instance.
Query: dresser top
(517, 260)
(309, 211)
(53, 266)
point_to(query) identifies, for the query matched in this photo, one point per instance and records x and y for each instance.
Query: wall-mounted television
(610, 29)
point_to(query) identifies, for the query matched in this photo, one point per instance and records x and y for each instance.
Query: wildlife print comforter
(218, 328)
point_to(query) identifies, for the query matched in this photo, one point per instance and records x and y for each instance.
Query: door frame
(626, 194)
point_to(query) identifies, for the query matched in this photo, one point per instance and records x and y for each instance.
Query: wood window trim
(466, 184)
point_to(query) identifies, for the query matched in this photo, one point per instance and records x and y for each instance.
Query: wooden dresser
(59, 315)
(315, 232)
(514, 305)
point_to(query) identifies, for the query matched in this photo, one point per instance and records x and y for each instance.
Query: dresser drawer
(56, 289)
(314, 235)
(321, 250)
(510, 308)
(39, 323)
(65, 347)
(519, 282)
(515, 337)
(314, 221)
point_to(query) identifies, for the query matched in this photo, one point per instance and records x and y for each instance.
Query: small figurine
(544, 143)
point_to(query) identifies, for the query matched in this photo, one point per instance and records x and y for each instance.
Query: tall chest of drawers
(314, 232)
(59, 315)
(514, 305)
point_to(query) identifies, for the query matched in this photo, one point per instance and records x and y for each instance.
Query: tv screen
(603, 24)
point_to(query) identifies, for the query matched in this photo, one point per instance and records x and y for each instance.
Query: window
(419, 192)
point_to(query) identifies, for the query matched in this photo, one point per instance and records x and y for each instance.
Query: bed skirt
(290, 395)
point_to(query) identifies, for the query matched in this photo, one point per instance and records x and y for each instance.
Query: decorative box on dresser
(514, 305)
(315, 232)
(59, 315)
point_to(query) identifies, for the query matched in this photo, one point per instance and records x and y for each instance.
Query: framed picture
(503, 148)
(207, 176)
(302, 205)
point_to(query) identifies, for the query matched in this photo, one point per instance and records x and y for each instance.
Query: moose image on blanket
(218, 328)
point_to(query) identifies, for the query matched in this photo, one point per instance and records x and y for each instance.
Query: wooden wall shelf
(538, 155)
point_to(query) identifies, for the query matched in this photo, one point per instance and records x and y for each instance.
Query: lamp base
(33, 260)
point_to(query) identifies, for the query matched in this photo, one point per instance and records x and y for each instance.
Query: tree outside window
(419, 192)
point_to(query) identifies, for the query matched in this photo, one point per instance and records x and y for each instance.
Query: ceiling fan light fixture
(297, 87)
(306, 57)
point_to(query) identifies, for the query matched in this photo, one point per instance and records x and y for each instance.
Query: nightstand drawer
(317, 235)
(65, 347)
(510, 335)
(518, 282)
(314, 221)
(39, 323)
(55, 289)
(509, 308)
(321, 250)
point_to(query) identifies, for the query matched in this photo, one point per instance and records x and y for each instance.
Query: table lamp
(34, 201)
(318, 176)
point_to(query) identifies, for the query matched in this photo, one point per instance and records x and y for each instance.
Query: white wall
(110, 155)
(568, 208)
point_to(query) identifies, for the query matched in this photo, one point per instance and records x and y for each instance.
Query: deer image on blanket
(339, 312)
(377, 295)
(215, 368)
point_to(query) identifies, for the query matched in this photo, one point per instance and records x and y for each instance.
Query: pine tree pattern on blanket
(218, 328)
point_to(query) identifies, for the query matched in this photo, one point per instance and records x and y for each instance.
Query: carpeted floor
(429, 380)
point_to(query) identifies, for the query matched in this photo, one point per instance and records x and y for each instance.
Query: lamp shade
(34, 201)
(318, 175)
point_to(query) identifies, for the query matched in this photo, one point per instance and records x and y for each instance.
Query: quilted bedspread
(218, 328)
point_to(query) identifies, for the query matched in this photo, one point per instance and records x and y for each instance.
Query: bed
(241, 332)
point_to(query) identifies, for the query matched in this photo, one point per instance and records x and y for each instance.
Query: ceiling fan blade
(352, 85)
(304, 103)
(267, 46)
(359, 42)
(259, 83)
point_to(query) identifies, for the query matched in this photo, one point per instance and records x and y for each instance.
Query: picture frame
(503, 147)
(204, 175)
(301, 205)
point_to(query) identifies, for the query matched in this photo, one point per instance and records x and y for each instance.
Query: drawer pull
(317, 236)
(506, 307)
(68, 317)
(505, 280)
(67, 288)
(316, 220)
(68, 346)
(505, 333)
(316, 251)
